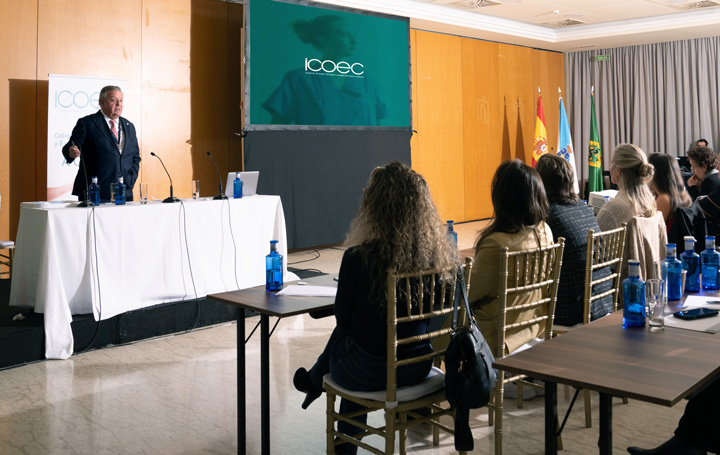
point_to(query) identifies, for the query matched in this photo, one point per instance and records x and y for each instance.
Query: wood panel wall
(181, 111)
(476, 104)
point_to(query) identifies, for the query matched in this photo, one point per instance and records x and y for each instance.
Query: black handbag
(469, 375)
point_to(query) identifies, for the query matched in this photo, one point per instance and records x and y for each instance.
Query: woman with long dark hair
(521, 208)
(397, 227)
(667, 186)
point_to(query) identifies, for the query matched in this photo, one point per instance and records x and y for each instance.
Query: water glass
(112, 192)
(143, 193)
(655, 300)
(196, 189)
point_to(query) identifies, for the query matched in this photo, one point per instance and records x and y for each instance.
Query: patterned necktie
(114, 130)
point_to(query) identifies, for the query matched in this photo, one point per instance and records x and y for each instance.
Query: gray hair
(108, 88)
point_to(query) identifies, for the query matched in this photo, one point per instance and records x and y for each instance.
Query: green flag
(595, 177)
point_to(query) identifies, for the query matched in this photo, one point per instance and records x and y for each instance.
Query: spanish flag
(540, 144)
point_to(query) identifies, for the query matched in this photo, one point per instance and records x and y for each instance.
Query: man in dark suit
(107, 146)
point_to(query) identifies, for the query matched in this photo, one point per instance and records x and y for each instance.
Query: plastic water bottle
(672, 269)
(237, 186)
(451, 234)
(691, 263)
(273, 269)
(710, 260)
(120, 192)
(633, 297)
(94, 192)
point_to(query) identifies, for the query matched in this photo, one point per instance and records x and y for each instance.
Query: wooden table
(656, 367)
(267, 304)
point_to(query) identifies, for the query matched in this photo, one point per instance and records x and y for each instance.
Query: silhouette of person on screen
(331, 89)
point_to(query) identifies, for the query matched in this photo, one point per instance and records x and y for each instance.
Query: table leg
(551, 418)
(265, 382)
(241, 381)
(605, 442)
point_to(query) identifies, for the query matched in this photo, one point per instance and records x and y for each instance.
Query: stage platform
(22, 341)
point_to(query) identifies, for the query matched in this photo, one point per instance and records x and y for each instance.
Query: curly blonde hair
(398, 223)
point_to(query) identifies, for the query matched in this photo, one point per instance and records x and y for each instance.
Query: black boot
(674, 446)
(302, 382)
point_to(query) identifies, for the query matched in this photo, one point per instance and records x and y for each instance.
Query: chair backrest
(645, 241)
(604, 249)
(528, 292)
(417, 296)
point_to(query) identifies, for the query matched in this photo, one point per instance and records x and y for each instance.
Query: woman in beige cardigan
(521, 207)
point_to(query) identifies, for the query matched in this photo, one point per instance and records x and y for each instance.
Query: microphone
(170, 198)
(220, 195)
(87, 202)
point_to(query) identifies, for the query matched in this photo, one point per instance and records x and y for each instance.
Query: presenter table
(111, 259)
(267, 304)
(656, 367)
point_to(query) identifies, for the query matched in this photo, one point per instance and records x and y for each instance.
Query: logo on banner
(331, 68)
(80, 99)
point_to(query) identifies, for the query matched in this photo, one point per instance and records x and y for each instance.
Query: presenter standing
(107, 146)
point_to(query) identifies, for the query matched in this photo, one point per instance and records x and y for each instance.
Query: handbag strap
(460, 292)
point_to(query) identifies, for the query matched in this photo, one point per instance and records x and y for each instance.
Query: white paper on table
(709, 325)
(309, 291)
(696, 301)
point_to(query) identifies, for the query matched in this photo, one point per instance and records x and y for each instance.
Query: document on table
(709, 325)
(309, 291)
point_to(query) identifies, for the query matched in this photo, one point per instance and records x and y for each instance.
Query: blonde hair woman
(632, 172)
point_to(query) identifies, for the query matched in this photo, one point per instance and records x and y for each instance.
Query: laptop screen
(250, 181)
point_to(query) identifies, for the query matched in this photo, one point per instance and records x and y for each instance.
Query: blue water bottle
(273, 269)
(710, 260)
(120, 192)
(237, 186)
(691, 263)
(451, 234)
(672, 269)
(633, 297)
(94, 192)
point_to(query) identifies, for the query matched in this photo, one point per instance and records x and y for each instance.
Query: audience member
(697, 431)
(632, 172)
(521, 208)
(570, 218)
(398, 227)
(705, 177)
(667, 186)
(701, 143)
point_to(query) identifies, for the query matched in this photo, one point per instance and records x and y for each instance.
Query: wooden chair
(604, 249)
(6, 259)
(401, 404)
(528, 288)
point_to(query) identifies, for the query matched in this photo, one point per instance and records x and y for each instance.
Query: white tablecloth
(113, 259)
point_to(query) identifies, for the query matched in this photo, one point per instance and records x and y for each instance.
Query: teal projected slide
(322, 67)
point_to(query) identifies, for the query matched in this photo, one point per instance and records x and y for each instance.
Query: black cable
(307, 260)
(97, 280)
(196, 319)
(232, 236)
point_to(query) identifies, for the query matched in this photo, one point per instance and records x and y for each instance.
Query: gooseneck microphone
(221, 194)
(171, 198)
(87, 202)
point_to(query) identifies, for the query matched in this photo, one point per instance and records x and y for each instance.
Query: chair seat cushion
(5, 244)
(434, 381)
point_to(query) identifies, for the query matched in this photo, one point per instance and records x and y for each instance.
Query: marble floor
(177, 395)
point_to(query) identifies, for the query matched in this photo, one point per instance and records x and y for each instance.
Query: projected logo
(331, 68)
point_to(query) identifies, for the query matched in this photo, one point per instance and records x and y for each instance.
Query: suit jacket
(100, 155)
(710, 183)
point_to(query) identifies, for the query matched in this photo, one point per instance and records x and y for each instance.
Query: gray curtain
(661, 97)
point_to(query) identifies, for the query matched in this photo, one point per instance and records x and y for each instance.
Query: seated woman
(632, 172)
(570, 218)
(667, 186)
(398, 227)
(521, 208)
(705, 177)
